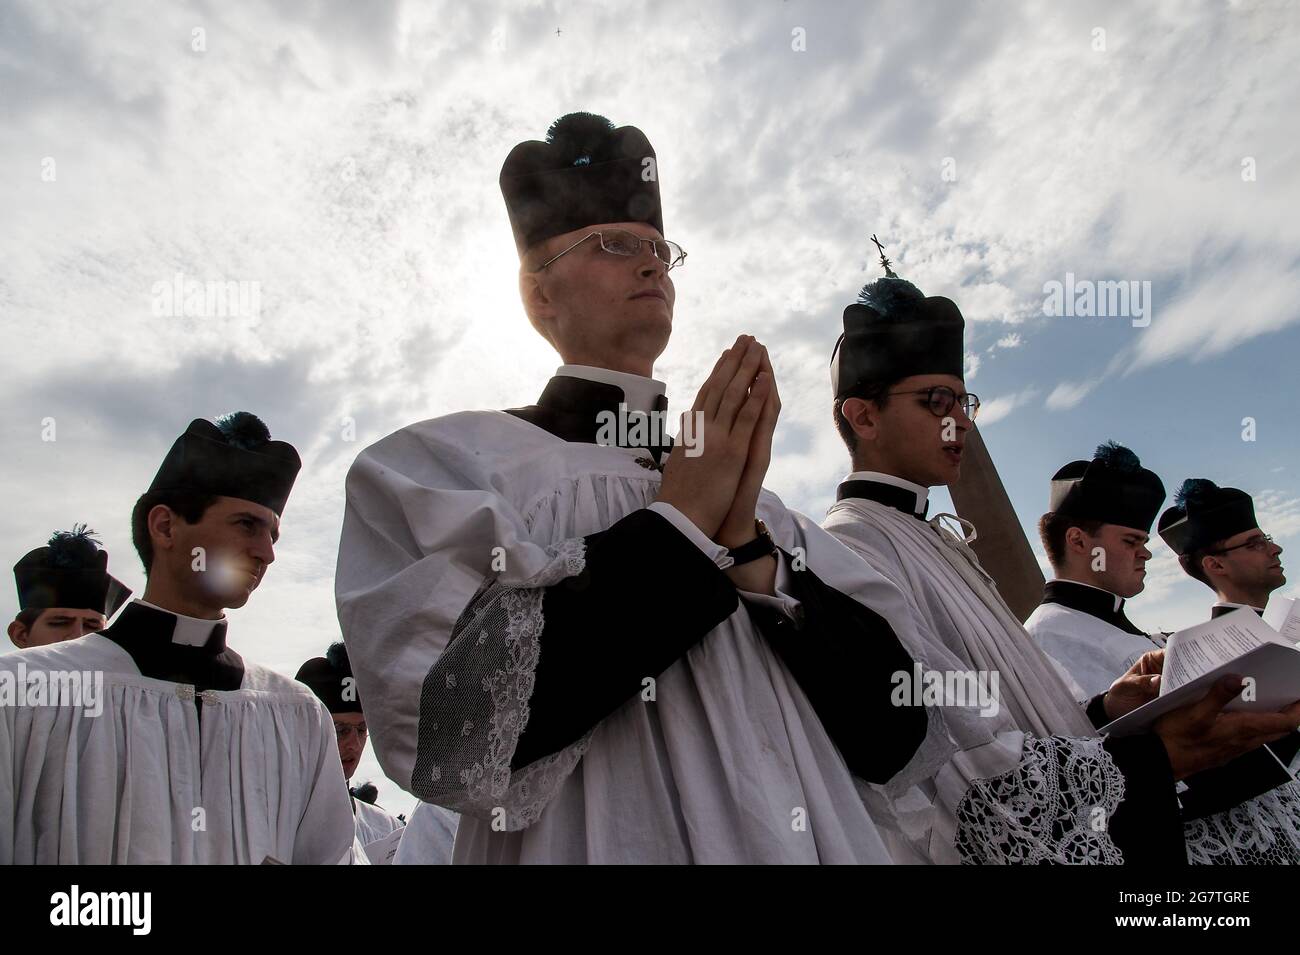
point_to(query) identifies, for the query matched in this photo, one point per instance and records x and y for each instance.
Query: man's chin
(237, 598)
(947, 473)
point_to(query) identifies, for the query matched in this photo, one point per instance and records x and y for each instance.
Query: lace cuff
(474, 705)
(1053, 807)
(1261, 831)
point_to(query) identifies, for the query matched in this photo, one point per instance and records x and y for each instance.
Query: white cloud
(1223, 310)
(1069, 393)
(1278, 514)
(995, 409)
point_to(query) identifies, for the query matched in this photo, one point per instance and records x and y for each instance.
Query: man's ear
(162, 525)
(18, 634)
(1211, 565)
(537, 304)
(863, 417)
(1076, 541)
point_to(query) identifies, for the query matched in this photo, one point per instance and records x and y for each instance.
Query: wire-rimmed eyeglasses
(622, 242)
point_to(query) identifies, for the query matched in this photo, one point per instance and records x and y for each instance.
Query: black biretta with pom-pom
(587, 172)
(893, 331)
(1112, 488)
(234, 457)
(70, 571)
(330, 678)
(1205, 514)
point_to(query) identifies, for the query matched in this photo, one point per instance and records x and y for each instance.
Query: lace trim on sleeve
(1053, 807)
(1261, 831)
(474, 705)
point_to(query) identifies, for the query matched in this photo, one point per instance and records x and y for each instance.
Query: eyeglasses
(622, 242)
(940, 400)
(343, 730)
(1257, 544)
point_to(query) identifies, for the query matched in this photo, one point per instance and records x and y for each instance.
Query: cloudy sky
(340, 160)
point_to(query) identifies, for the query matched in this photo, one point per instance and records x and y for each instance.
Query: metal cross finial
(889, 273)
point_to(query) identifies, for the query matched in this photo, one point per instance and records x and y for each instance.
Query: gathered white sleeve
(429, 561)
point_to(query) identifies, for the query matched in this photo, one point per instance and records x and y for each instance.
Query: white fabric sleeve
(781, 601)
(425, 556)
(327, 830)
(712, 550)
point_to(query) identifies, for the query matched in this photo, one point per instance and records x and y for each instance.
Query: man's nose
(648, 264)
(264, 549)
(1143, 552)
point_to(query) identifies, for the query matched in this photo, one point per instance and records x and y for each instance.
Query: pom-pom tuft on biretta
(1193, 491)
(1114, 455)
(891, 297)
(337, 655)
(74, 550)
(243, 429)
(578, 135)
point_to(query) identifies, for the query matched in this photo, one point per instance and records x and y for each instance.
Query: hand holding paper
(1201, 736)
(1140, 685)
(1204, 671)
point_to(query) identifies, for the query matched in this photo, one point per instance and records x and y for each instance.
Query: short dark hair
(29, 616)
(877, 391)
(190, 505)
(1052, 528)
(1191, 564)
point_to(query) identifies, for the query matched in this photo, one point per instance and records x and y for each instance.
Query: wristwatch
(760, 546)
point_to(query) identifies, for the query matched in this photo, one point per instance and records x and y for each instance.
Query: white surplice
(1092, 651)
(1018, 785)
(729, 764)
(1263, 830)
(372, 823)
(147, 782)
(429, 837)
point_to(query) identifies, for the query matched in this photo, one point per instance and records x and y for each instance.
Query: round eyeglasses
(940, 400)
(622, 242)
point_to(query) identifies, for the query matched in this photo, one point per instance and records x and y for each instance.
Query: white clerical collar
(190, 631)
(1233, 606)
(639, 393)
(1119, 601)
(920, 490)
